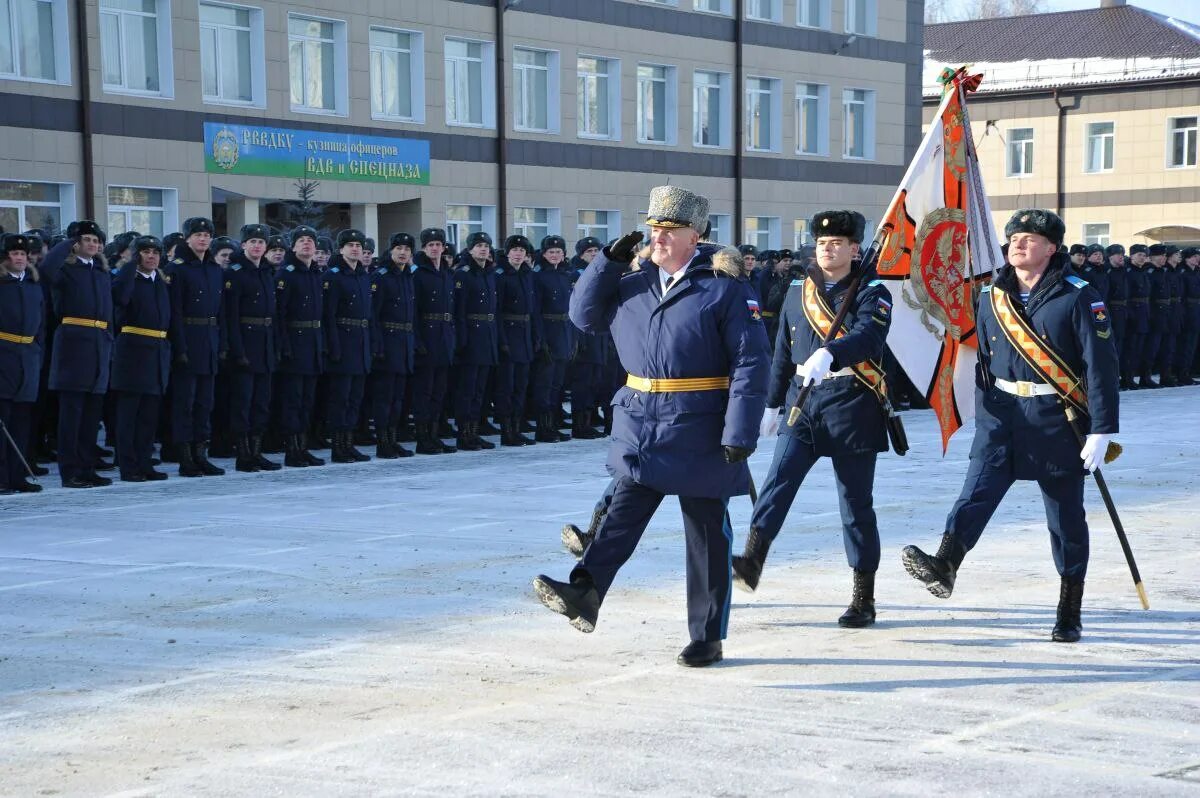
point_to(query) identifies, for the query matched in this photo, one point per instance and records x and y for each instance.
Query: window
(709, 116)
(656, 104)
(598, 84)
(470, 83)
(135, 49)
(719, 227)
(858, 123)
(860, 17)
(762, 232)
(24, 206)
(397, 74)
(29, 39)
(813, 13)
(714, 6)
(800, 236)
(142, 209)
(1020, 151)
(1098, 152)
(535, 223)
(535, 90)
(812, 119)
(763, 10)
(604, 225)
(1096, 234)
(317, 60)
(231, 54)
(1181, 142)
(762, 114)
(462, 220)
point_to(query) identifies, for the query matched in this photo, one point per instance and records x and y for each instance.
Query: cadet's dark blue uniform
(197, 341)
(773, 291)
(1028, 437)
(1138, 329)
(434, 291)
(591, 353)
(1191, 323)
(346, 322)
(393, 311)
(21, 334)
(475, 336)
(301, 343)
(842, 418)
(1160, 319)
(672, 442)
(519, 338)
(250, 330)
(552, 292)
(141, 363)
(1118, 306)
(1173, 328)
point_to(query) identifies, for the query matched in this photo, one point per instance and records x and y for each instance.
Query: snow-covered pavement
(370, 629)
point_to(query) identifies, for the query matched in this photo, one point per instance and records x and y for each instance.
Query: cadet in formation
(393, 311)
(22, 328)
(345, 321)
(298, 307)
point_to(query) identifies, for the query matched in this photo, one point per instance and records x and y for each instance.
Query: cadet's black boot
(309, 457)
(547, 432)
(700, 653)
(487, 428)
(1147, 381)
(577, 541)
(747, 569)
(938, 571)
(444, 430)
(448, 448)
(578, 599)
(256, 443)
(466, 441)
(385, 446)
(348, 441)
(516, 424)
(187, 463)
(295, 456)
(427, 442)
(477, 435)
(340, 453)
(245, 455)
(861, 611)
(394, 437)
(508, 433)
(200, 455)
(1069, 627)
(1167, 380)
(581, 426)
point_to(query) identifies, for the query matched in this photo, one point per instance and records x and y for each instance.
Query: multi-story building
(1092, 113)
(543, 116)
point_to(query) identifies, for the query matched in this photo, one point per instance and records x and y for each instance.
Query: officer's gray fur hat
(1037, 221)
(675, 207)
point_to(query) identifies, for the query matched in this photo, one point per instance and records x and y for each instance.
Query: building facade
(163, 109)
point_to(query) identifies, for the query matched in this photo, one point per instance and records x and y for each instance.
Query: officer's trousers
(297, 397)
(512, 384)
(78, 425)
(344, 401)
(709, 544)
(16, 418)
(191, 406)
(137, 421)
(548, 381)
(429, 392)
(1150, 347)
(249, 402)
(471, 383)
(985, 487)
(855, 478)
(387, 398)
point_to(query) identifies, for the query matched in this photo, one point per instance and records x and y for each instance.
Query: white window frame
(551, 226)
(853, 25)
(611, 230)
(1194, 134)
(824, 13)
(487, 76)
(341, 92)
(774, 94)
(670, 105)
(724, 97)
(164, 51)
(772, 231)
(553, 89)
(486, 222)
(724, 7)
(416, 74)
(65, 204)
(801, 236)
(612, 77)
(869, 101)
(776, 8)
(822, 99)
(60, 33)
(722, 228)
(1088, 136)
(169, 209)
(258, 63)
(1101, 238)
(1027, 152)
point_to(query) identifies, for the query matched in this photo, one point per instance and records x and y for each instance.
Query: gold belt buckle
(1024, 388)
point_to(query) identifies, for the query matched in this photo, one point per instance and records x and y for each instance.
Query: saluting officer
(1186, 365)
(393, 312)
(250, 330)
(141, 365)
(1118, 303)
(1138, 331)
(22, 327)
(347, 320)
(433, 285)
(688, 331)
(301, 344)
(552, 281)
(591, 352)
(843, 419)
(1045, 348)
(519, 338)
(475, 337)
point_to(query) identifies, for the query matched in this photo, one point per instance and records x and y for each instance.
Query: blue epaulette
(290, 267)
(537, 267)
(334, 270)
(797, 282)
(875, 282)
(1078, 282)
(235, 267)
(986, 288)
(412, 267)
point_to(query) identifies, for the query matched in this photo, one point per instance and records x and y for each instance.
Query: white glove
(770, 423)
(813, 370)
(1093, 451)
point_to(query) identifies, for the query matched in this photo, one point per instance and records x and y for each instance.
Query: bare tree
(957, 10)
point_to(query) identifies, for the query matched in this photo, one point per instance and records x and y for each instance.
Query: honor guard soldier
(475, 336)
(433, 286)
(1118, 303)
(347, 322)
(1045, 351)
(689, 332)
(552, 281)
(591, 352)
(1094, 270)
(1174, 329)
(81, 357)
(21, 333)
(393, 311)
(1138, 331)
(844, 418)
(301, 344)
(1160, 313)
(519, 333)
(141, 365)
(1186, 364)
(250, 331)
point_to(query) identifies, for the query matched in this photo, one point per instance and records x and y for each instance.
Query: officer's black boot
(581, 426)
(427, 442)
(578, 599)
(938, 571)
(245, 455)
(200, 455)
(700, 653)
(1069, 627)
(466, 441)
(294, 458)
(341, 448)
(385, 446)
(477, 431)
(487, 428)
(309, 457)
(1147, 381)
(861, 611)
(394, 437)
(348, 441)
(187, 463)
(576, 541)
(516, 425)
(256, 444)
(747, 569)
(508, 433)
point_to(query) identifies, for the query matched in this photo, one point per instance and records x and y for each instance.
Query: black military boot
(747, 569)
(861, 611)
(295, 456)
(448, 448)
(348, 440)
(341, 448)
(547, 432)
(508, 433)
(578, 599)
(256, 443)
(581, 426)
(187, 463)
(200, 455)
(938, 571)
(385, 446)
(309, 457)
(516, 424)
(1068, 627)
(477, 433)
(1147, 381)
(700, 653)
(245, 455)
(394, 437)
(577, 541)
(427, 441)
(465, 440)
(444, 430)
(1167, 380)
(487, 428)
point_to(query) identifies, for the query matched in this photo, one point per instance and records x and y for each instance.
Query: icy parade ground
(370, 630)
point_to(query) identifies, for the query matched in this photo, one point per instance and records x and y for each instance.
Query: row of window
(1100, 143)
(859, 17)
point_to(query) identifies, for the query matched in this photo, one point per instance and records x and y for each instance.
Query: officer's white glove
(813, 370)
(1093, 451)
(770, 423)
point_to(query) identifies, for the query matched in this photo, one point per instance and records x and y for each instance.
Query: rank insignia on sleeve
(755, 313)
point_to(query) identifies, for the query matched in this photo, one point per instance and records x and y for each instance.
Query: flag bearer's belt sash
(145, 332)
(820, 317)
(78, 322)
(1026, 389)
(16, 339)
(677, 384)
(1045, 362)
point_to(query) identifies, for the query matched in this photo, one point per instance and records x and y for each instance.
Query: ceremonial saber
(17, 451)
(1072, 418)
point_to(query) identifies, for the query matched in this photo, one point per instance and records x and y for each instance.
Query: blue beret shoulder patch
(334, 270)
(797, 282)
(291, 267)
(235, 267)
(1078, 282)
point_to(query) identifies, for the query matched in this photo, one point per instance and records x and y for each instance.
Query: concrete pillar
(240, 212)
(365, 217)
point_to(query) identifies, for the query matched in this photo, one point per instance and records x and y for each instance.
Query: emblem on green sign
(225, 149)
